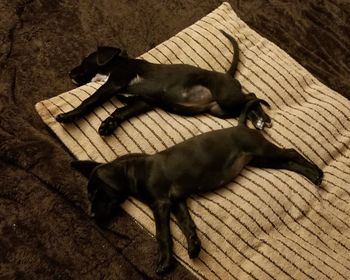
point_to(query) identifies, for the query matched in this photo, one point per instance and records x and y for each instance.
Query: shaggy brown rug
(44, 230)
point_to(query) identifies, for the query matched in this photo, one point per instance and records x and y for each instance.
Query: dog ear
(106, 54)
(85, 167)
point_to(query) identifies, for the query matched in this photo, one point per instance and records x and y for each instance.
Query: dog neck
(136, 171)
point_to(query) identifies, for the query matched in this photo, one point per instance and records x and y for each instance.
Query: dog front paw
(108, 126)
(64, 118)
(164, 266)
(165, 263)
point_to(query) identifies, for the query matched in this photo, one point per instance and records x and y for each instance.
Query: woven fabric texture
(266, 224)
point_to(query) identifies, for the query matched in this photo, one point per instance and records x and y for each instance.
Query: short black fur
(200, 164)
(178, 88)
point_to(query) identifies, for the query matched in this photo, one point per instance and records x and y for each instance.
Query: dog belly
(196, 95)
(188, 101)
(205, 180)
(176, 98)
(176, 94)
(218, 179)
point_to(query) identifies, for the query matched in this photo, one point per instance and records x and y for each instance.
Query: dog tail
(235, 58)
(247, 108)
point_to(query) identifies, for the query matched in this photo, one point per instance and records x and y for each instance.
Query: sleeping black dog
(179, 88)
(200, 164)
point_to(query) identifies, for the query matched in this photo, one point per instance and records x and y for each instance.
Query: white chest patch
(100, 78)
(136, 80)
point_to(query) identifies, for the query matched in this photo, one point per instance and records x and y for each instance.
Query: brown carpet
(43, 234)
(265, 216)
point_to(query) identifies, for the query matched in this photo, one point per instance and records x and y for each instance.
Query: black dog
(200, 164)
(179, 88)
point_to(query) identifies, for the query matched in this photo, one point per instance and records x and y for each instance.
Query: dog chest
(100, 78)
(136, 80)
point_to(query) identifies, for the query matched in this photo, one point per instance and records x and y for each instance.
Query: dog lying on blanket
(178, 88)
(200, 164)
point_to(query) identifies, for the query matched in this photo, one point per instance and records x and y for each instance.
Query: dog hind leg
(217, 111)
(231, 105)
(271, 156)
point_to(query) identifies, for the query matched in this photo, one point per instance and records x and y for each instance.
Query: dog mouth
(80, 78)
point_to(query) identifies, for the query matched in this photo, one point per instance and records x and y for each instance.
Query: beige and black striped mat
(267, 224)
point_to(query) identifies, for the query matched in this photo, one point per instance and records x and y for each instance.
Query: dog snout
(78, 76)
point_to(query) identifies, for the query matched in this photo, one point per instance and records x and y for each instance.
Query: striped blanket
(266, 224)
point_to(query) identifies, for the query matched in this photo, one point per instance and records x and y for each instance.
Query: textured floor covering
(41, 232)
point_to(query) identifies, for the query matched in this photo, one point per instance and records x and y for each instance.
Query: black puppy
(179, 88)
(200, 164)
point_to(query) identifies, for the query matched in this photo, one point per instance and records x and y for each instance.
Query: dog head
(98, 62)
(107, 188)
